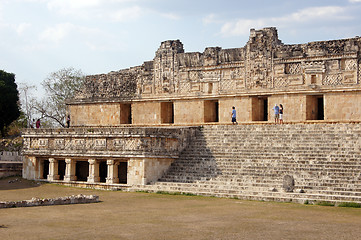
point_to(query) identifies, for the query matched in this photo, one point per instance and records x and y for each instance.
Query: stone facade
(113, 142)
(191, 88)
(109, 155)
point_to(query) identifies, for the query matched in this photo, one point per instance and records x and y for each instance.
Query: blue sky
(38, 37)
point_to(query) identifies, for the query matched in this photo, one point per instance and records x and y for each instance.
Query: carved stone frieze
(118, 141)
(258, 66)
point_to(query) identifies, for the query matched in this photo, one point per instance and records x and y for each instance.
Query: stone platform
(290, 162)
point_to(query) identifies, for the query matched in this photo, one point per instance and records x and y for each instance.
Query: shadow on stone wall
(196, 163)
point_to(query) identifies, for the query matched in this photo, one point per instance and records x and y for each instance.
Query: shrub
(350, 204)
(325, 203)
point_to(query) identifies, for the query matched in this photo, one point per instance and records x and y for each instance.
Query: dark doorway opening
(82, 170)
(103, 171)
(167, 112)
(123, 172)
(125, 114)
(211, 111)
(45, 169)
(320, 112)
(314, 107)
(61, 169)
(259, 109)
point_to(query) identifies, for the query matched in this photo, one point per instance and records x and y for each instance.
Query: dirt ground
(123, 215)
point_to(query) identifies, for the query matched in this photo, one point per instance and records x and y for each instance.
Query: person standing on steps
(281, 114)
(276, 110)
(234, 116)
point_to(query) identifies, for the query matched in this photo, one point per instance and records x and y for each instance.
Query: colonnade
(70, 170)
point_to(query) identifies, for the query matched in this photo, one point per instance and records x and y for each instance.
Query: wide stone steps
(251, 193)
(246, 161)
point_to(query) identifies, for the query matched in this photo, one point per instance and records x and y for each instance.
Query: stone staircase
(290, 162)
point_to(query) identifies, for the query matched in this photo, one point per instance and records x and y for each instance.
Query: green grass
(175, 193)
(325, 203)
(350, 205)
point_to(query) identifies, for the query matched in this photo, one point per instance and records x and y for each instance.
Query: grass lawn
(124, 215)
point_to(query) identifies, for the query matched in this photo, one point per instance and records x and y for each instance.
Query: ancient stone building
(313, 81)
(135, 126)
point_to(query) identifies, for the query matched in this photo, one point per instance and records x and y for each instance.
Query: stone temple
(166, 125)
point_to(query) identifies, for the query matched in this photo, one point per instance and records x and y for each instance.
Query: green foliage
(350, 204)
(9, 97)
(325, 203)
(14, 129)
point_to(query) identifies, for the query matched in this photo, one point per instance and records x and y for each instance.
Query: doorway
(61, 169)
(167, 112)
(123, 172)
(315, 107)
(103, 171)
(211, 111)
(259, 109)
(82, 170)
(125, 114)
(45, 169)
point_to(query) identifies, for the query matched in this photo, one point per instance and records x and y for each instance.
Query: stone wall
(264, 64)
(263, 68)
(80, 153)
(35, 202)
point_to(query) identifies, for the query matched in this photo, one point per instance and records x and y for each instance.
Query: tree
(28, 101)
(59, 86)
(9, 97)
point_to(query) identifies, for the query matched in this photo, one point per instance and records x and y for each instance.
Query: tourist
(234, 116)
(68, 121)
(32, 123)
(38, 123)
(277, 113)
(281, 114)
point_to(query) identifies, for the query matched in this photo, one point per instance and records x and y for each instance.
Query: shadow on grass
(17, 182)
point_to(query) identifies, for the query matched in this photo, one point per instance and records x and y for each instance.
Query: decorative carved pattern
(332, 79)
(211, 76)
(315, 67)
(281, 82)
(195, 75)
(39, 143)
(263, 60)
(350, 64)
(229, 85)
(59, 143)
(294, 68)
(333, 65)
(184, 87)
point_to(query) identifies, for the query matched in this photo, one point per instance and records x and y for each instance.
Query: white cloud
(57, 33)
(116, 10)
(210, 18)
(171, 16)
(307, 15)
(354, 1)
(125, 14)
(22, 27)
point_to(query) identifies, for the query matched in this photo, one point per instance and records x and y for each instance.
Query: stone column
(53, 170)
(70, 170)
(40, 166)
(93, 171)
(112, 176)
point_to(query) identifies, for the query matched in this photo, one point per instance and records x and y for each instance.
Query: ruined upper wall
(264, 65)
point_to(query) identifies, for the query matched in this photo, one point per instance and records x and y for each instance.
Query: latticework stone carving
(258, 66)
